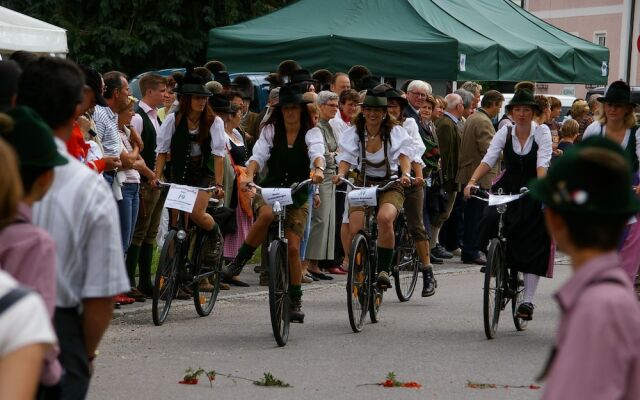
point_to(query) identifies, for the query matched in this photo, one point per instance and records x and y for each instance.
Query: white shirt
(418, 145)
(262, 149)
(24, 323)
(338, 125)
(80, 213)
(400, 143)
(107, 130)
(540, 133)
(594, 130)
(151, 112)
(168, 128)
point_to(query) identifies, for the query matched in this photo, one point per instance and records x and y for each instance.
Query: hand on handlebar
(468, 190)
(317, 176)
(405, 180)
(336, 179)
(418, 181)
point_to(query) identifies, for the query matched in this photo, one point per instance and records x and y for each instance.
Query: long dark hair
(206, 117)
(277, 120)
(388, 122)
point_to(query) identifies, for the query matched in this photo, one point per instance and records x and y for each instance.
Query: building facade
(611, 23)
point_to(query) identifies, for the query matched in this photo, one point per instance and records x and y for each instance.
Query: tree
(140, 35)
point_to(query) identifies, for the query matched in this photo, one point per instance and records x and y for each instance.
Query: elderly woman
(321, 243)
(386, 148)
(527, 154)
(618, 123)
(414, 194)
(291, 151)
(580, 112)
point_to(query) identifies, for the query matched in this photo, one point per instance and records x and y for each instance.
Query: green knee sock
(144, 265)
(245, 253)
(133, 254)
(385, 256)
(295, 291)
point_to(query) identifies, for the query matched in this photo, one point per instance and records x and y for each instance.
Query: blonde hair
(629, 118)
(570, 128)
(10, 184)
(579, 108)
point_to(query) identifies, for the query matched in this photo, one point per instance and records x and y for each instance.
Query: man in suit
(449, 142)
(478, 132)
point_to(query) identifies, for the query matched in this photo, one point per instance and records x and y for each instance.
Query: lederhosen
(185, 169)
(529, 244)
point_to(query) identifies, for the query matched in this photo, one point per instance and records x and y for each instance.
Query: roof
(21, 32)
(424, 39)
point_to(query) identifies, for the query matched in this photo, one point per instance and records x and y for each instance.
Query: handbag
(244, 199)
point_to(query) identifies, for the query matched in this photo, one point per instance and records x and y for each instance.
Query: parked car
(635, 93)
(260, 86)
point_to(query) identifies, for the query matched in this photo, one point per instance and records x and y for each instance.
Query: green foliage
(139, 35)
(269, 380)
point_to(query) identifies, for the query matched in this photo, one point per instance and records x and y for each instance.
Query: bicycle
(405, 270)
(363, 294)
(501, 284)
(182, 265)
(278, 262)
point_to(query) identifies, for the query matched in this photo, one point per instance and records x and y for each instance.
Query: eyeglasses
(419, 94)
(332, 105)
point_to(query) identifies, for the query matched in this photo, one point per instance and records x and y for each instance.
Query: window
(600, 38)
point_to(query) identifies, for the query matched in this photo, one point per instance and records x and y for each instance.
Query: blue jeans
(128, 210)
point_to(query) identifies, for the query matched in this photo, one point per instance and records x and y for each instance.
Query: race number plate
(364, 197)
(181, 198)
(281, 195)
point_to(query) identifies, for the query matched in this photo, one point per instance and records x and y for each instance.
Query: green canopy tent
(425, 39)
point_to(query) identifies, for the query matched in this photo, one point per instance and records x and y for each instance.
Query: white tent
(21, 32)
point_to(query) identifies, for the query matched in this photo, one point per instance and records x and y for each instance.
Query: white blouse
(540, 133)
(338, 125)
(594, 130)
(262, 149)
(168, 128)
(400, 143)
(418, 145)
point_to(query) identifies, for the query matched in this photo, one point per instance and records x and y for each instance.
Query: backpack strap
(12, 297)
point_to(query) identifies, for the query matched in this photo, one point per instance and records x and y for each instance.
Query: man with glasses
(417, 92)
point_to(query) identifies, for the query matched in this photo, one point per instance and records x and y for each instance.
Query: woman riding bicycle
(618, 123)
(377, 145)
(289, 149)
(527, 154)
(194, 139)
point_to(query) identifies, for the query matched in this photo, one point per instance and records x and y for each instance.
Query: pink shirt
(598, 341)
(28, 253)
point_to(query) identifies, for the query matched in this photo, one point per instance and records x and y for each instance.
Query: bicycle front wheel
(358, 282)
(166, 284)
(206, 280)
(279, 291)
(492, 294)
(405, 271)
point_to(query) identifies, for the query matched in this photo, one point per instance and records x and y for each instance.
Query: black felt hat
(617, 93)
(396, 95)
(192, 84)
(374, 99)
(290, 95)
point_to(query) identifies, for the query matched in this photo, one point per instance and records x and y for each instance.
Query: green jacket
(449, 143)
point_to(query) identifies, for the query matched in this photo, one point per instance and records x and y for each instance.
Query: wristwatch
(320, 168)
(407, 174)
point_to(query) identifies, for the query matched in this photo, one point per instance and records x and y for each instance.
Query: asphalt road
(438, 342)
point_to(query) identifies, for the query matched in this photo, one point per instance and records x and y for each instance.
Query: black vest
(149, 136)
(181, 151)
(288, 165)
(519, 169)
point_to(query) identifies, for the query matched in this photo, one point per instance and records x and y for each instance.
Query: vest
(181, 151)
(330, 144)
(520, 169)
(287, 166)
(149, 136)
(630, 150)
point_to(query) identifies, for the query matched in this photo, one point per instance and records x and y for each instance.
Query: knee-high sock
(530, 286)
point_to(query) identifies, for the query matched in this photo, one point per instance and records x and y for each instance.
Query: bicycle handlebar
(393, 179)
(486, 195)
(212, 189)
(294, 188)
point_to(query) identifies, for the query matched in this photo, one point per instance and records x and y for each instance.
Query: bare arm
(161, 160)
(95, 321)
(480, 171)
(20, 372)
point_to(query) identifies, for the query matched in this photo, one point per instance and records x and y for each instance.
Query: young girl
(568, 134)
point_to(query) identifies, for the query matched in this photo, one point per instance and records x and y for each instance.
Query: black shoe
(480, 260)
(435, 260)
(320, 276)
(235, 282)
(383, 280)
(525, 311)
(295, 311)
(232, 269)
(441, 252)
(429, 282)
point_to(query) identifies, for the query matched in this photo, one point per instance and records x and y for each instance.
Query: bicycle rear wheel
(279, 291)
(517, 284)
(358, 282)
(492, 294)
(405, 271)
(206, 280)
(166, 283)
